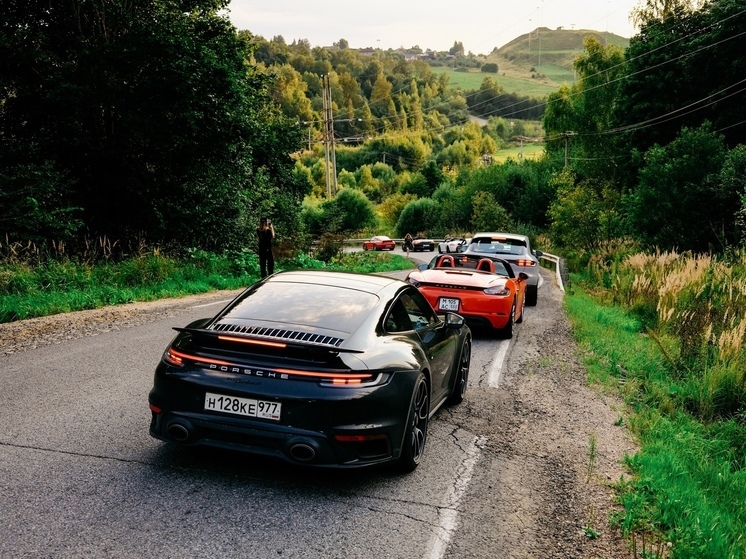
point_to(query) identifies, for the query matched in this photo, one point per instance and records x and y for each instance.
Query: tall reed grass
(695, 307)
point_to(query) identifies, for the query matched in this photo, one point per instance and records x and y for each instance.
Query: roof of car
(501, 235)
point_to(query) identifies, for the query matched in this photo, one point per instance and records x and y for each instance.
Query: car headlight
(500, 291)
(413, 281)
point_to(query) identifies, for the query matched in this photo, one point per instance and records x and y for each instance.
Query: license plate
(243, 406)
(448, 304)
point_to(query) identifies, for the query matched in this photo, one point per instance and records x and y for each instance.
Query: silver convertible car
(314, 368)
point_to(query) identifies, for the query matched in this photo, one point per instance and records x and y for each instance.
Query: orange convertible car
(483, 289)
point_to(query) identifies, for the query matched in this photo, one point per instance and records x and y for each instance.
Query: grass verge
(687, 487)
(64, 286)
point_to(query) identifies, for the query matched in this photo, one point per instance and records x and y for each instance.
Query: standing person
(266, 233)
(408, 243)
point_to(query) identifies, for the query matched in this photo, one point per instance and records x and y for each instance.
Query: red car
(379, 242)
(482, 289)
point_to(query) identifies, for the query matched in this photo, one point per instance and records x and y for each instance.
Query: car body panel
(461, 281)
(515, 249)
(452, 245)
(379, 242)
(422, 244)
(326, 351)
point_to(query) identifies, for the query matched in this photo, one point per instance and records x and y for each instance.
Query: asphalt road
(81, 477)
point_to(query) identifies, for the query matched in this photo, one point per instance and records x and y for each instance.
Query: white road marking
(493, 381)
(448, 515)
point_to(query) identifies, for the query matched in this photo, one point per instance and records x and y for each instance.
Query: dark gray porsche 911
(318, 368)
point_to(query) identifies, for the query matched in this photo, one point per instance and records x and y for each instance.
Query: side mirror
(454, 320)
(538, 253)
(422, 267)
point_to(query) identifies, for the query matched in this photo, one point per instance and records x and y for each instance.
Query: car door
(439, 342)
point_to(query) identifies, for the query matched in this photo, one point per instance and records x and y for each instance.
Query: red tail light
(359, 438)
(525, 263)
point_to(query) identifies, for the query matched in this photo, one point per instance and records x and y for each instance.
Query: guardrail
(560, 268)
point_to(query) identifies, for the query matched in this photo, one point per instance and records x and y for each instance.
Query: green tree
(678, 203)
(418, 216)
(488, 215)
(148, 116)
(350, 211)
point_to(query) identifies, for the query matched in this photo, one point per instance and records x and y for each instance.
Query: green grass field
(473, 80)
(529, 151)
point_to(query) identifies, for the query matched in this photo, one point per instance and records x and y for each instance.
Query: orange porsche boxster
(482, 289)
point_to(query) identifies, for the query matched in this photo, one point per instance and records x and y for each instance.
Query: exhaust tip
(302, 452)
(178, 432)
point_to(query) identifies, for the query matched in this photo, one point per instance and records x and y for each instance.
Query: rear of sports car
(217, 394)
(289, 391)
(484, 300)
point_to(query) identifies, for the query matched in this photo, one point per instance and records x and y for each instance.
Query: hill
(535, 63)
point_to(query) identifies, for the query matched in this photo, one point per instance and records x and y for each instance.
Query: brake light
(173, 357)
(525, 263)
(333, 378)
(359, 438)
(499, 290)
(155, 409)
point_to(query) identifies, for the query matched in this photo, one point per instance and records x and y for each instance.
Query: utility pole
(567, 144)
(330, 157)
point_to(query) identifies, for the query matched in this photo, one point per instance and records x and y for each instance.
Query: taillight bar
(525, 263)
(338, 378)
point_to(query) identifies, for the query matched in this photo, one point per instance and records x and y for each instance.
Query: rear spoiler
(266, 340)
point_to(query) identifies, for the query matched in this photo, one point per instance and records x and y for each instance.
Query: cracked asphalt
(507, 473)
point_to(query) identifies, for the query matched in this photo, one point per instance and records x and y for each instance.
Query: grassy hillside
(534, 63)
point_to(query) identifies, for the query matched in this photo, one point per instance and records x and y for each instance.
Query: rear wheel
(462, 377)
(440, 250)
(532, 295)
(523, 309)
(507, 330)
(416, 433)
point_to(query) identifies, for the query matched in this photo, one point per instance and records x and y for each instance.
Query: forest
(160, 124)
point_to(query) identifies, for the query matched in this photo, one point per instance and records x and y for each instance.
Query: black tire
(440, 250)
(432, 248)
(415, 435)
(462, 376)
(523, 309)
(506, 332)
(448, 249)
(532, 295)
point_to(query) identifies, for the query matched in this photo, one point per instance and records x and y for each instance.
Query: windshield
(498, 246)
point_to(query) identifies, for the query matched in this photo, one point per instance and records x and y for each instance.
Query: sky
(480, 25)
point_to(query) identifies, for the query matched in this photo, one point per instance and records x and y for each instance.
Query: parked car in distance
(483, 289)
(379, 242)
(316, 368)
(422, 244)
(516, 249)
(452, 244)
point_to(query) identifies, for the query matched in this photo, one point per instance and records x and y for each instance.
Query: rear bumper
(318, 426)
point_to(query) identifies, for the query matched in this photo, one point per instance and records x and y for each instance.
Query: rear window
(498, 246)
(321, 306)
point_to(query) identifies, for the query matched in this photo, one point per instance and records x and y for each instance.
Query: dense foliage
(137, 121)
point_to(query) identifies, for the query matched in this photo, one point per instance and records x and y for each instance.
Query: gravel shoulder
(554, 445)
